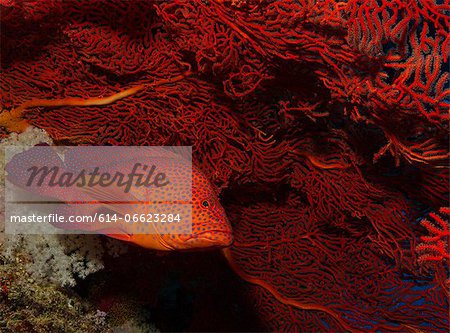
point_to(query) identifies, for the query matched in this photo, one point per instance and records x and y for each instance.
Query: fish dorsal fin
(86, 157)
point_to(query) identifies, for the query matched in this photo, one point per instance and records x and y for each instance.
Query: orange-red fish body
(210, 227)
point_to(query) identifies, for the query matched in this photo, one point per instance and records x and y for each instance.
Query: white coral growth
(32, 136)
(58, 258)
(54, 258)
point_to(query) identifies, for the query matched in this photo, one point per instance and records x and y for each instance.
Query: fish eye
(205, 204)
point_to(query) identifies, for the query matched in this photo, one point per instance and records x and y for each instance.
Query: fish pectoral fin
(111, 194)
(112, 197)
(116, 233)
(126, 238)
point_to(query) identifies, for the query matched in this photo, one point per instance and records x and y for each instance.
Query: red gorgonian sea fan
(324, 124)
(434, 248)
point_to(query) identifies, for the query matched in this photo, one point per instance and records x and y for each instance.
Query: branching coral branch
(434, 249)
(14, 122)
(279, 297)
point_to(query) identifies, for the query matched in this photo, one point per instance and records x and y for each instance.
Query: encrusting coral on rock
(29, 305)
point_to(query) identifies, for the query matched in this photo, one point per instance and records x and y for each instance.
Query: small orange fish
(210, 227)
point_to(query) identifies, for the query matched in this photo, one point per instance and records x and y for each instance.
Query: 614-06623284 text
(101, 218)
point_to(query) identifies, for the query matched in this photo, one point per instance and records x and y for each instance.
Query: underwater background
(322, 124)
